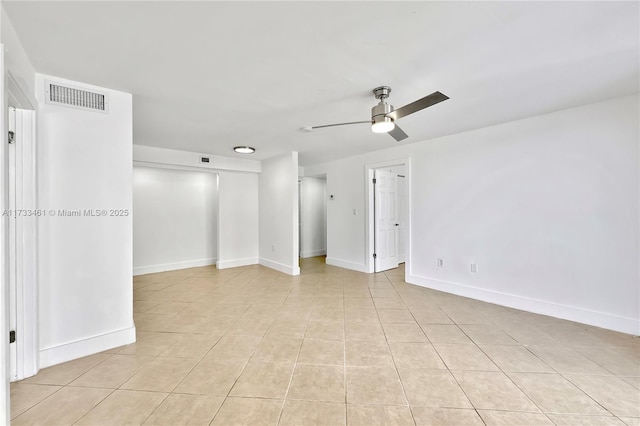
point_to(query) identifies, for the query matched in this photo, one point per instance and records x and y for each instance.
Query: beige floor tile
(621, 361)
(404, 333)
(359, 302)
(383, 292)
(180, 409)
(431, 316)
(554, 394)
(24, 396)
(633, 381)
(426, 416)
(322, 351)
(566, 360)
(211, 377)
(123, 407)
(169, 308)
(277, 349)
(487, 335)
(389, 303)
(368, 354)
(510, 418)
(288, 328)
(250, 327)
(574, 420)
(150, 343)
(443, 333)
(493, 391)
(248, 411)
(317, 383)
(162, 375)
(357, 292)
(191, 346)
(418, 355)
(464, 356)
(369, 316)
(313, 413)
(364, 332)
(234, 348)
(374, 385)
(516, 359)
(63, 374)
(327, 314)
(396, 316)
(614, 394)
(63, 407)
(263, 315)
(325, 330)
(264, 380)
(113, 372)
(432, 388)
(142, 306)
(372, 415)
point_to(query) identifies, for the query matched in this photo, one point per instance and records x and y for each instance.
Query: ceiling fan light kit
(383, 116)
(380, 123)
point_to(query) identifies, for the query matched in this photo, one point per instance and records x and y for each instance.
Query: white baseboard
(280, 267)
(347, 265)
(224, 264)
(537, 306)
(312, 253)
(141, 270)
(84, 347)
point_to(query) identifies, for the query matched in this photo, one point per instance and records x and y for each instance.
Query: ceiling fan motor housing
(380, 111)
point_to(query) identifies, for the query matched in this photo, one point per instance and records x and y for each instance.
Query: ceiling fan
(383, 116)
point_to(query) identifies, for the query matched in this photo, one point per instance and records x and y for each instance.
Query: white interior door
(386, 220)
(403, 218)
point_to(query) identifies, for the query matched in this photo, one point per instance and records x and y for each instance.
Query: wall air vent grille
(76, 98)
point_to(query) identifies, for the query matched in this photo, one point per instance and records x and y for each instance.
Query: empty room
(320, 213)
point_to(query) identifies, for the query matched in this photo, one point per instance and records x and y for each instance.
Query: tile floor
(333, 347)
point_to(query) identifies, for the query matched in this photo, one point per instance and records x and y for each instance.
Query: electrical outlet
(440, 263)
(474, 268)
(273, 248)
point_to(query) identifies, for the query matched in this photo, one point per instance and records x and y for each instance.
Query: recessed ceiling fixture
(383, 116)
(244, 149)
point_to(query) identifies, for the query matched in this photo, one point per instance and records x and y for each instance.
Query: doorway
(388, 227)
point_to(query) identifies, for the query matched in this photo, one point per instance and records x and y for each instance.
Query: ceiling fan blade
(341, 124)
(398, 134)
(427, 101)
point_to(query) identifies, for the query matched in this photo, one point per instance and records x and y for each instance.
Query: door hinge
(375, 255)
(12, 136)
(374, 181)
(12, 336)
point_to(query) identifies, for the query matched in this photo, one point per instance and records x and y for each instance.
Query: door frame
(369, 210)
(23, 251)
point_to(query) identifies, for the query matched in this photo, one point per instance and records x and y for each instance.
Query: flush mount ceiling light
(244, 149)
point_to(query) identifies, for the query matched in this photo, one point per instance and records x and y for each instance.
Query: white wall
(279, 214)
(175, 219)
(85, 162)
(237, 219)
(547, 207)
(313, 206)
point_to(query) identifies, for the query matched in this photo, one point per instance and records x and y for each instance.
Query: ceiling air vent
(76, 98)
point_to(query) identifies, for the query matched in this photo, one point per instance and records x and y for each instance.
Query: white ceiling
(206, 76)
